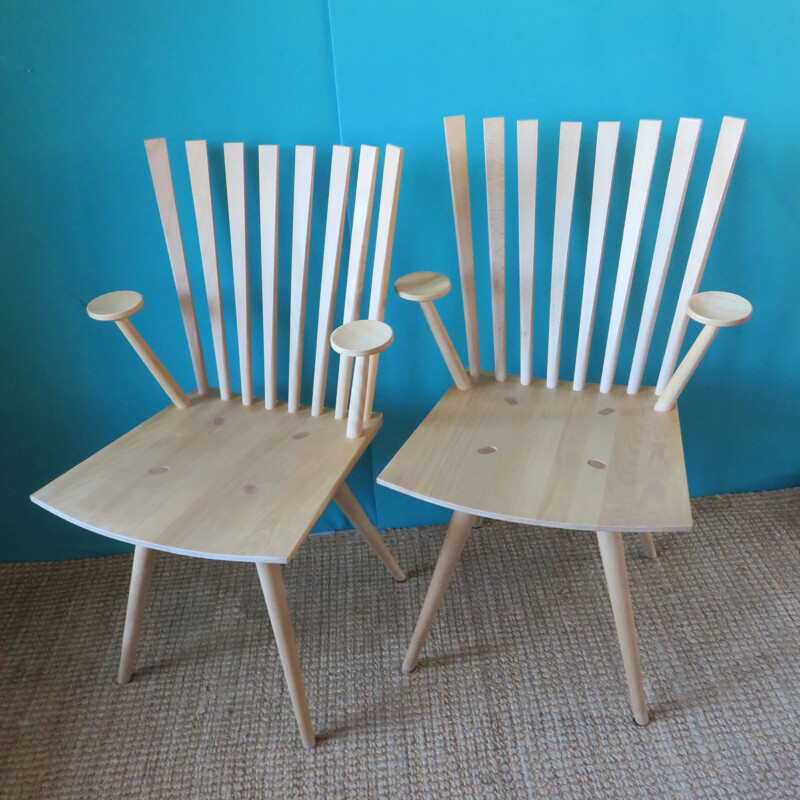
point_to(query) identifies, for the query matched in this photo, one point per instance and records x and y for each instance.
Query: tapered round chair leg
(143, 558)
(647, 546)
(454, 541)
(275, 594)
(613, 555)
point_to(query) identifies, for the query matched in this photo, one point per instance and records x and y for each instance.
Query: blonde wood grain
(455, 132)
(677, 182)
(613, 557)
(274, 591)
(568, 146)
(268, 182)
(157, 369)
(644, 160)
(143, 559)
(359, 239)
(301, 234)
(451, 359)
(647, 546)
(539, 473)
(527, 147)
(115, 305)
(197, 158)
(241, 485)
(494, 149)
(363, 337)
(237, 216)
(334, 231)
(419, 286)
(454, 541)
(727, 149)
(352, 509)
(605, 158)
(160, 171)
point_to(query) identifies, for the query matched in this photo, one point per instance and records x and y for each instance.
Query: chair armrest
(363, 337)
(422, 287)
(714, 310)
(117, 307)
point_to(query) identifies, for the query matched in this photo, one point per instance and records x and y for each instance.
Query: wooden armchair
(233, 477)
(563, 454)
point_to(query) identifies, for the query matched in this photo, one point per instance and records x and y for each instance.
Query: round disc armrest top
(364, 337)
(720, 309)
(114, 305)
(422, 286)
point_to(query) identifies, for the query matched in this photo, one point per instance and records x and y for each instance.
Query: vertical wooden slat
(334, 230)
(527, 147)
(268, 207)
(197, 158)
(362, 216)
(384, 239)
(674, 195)
(644, 160)
(456, 140)
(605, 158)
(158, 159)
(237, 215)
(301, 231)
(494, 149)
(727, 149)
(568, 147)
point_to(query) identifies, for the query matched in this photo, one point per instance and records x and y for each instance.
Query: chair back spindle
(237, 215)
(384, 241)
(197, 159)
(301, 233)
(604, 161)
(456, 139)
(268, 213)
(527, 145)
(494, 149)
(334, 231)
(160, 171)
(362, 216)
(568, 147)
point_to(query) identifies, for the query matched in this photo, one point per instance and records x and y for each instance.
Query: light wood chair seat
(217, 480)
(561, 458)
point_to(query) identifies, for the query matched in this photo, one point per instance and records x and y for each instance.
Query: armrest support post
(445, 344)
(714, 310)
(686, 369)
(424, 288)
(157, 369)
(117, 307)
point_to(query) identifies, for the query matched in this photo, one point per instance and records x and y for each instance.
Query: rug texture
(519, 692)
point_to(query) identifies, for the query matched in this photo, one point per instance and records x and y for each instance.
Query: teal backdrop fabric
(83, 83)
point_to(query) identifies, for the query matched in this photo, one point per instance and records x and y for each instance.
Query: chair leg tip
(409, 666)
(642, 722)
(400, 577)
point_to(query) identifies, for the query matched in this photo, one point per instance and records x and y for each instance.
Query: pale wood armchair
(567, 454)
(233, 477)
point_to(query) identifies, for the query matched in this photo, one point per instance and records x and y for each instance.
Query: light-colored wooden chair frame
(270, 517)
(471, 490)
